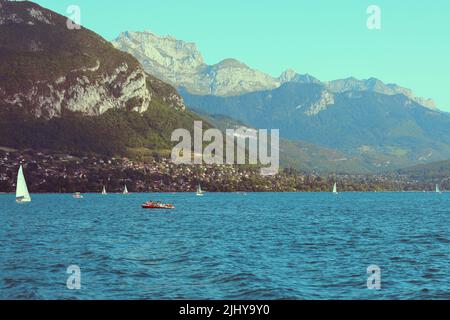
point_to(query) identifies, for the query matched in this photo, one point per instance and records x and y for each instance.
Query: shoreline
(87, 173)
(222, 192)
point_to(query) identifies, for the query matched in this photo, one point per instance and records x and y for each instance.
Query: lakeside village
(69, 173)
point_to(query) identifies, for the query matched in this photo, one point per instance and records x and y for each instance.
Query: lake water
(227, 246)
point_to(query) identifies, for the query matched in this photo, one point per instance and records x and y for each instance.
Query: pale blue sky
(326, 38)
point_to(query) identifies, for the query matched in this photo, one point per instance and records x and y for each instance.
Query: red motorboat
(157, 205)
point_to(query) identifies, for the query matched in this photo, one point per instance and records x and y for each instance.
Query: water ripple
(223, 246)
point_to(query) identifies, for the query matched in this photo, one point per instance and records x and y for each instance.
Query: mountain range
(379, 126)
(181, 64)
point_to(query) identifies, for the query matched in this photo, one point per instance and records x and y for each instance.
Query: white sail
(335, 189)
(199, 191)
(22, 194)
(104, 191)
(437, 189)
(125, 190)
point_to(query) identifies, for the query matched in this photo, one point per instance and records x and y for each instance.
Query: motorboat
(157, 205)
(78, 195)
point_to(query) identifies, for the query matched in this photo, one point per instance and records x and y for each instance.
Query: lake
(227, 246)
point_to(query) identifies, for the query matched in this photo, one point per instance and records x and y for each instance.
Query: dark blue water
(227, 246)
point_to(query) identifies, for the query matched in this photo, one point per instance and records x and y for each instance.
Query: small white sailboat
(335, 189)
(22, 194)
(438, 190)
(125, 190)
(200, 192)
(104, 193)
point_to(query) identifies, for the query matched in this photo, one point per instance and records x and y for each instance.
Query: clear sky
(326, 38)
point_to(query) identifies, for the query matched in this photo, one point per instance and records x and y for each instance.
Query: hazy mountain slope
(304, 156)
(437, 172)
(390, 129)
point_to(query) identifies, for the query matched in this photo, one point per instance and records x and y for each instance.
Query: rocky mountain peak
(57, 69)
(164, 57)
(287, 76)
(378, 86)
(292, 76)
(231, 63)
(181, 64)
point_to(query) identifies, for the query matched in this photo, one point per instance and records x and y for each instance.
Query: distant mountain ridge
(375, 85)
(182, 65)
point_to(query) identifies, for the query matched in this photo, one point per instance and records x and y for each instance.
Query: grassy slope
(117, 132)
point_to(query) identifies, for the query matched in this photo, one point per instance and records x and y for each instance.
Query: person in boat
(154, 204)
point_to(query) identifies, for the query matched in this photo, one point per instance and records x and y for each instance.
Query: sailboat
(335, 189)
(104, 191)
(200, 192)
(438, 190)
(22, 194)
(125, 190)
